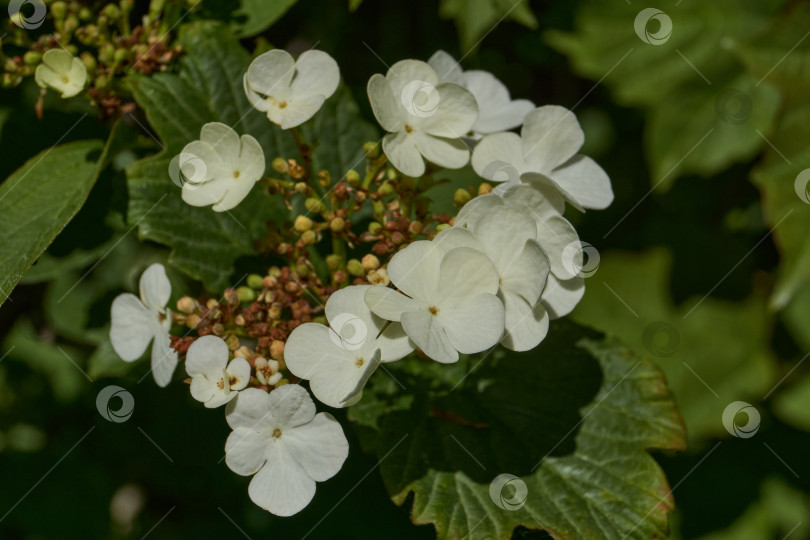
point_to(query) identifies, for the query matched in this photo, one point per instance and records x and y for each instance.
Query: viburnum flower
(339, 359)
(423, 118)
(497, 111)
(61, 71)
(548, 144)
(214, 381)
(564, 287)
(221, 168)
(137, 322)
(447, 304)
(507, 236)
(291, 91)
(278, 438)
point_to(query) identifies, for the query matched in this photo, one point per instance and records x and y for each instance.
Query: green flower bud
(355, 268)
(333, 262)
(461, 197)
(442, 227)
(353, 178)
(314, 205)
(302, 270)
(309, 238)
(371, 149)
(255, 281)
(59, 10)
(89, 61)
(385, 190)
(302, 224)
(32, 58)
(246, 294)
(374, 228)
(280, 165)
(337, 225)
(120, 55)
(85, 14)
(324, 179)
(111, 11)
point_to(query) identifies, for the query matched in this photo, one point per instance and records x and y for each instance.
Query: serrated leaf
(255, 16)
(712, 352)
(475, 18)
(38, 200)
(573, 420)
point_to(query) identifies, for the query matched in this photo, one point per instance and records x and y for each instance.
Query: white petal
(466, 272)
(390, 304)
(155, 287)
(525, 326)
(252, 409)
(446, 68)
(476, 209)
(320, 446)
(350, 317)
(498, 157)
(251, 158)
(207, 193)
(526, 276)
(507, 117)
(584, 183)
(202, 388)
(561, 297)
(299, 109)
(257, 101)
(454, 237)
(220, 398)
(449, 153)
(537, 194)
(271, 73)
(394, 343)
(428, 334)
(132, 327)
(245, 450)
(235, 194)
(223, 140)
(554, 234)
(503, 232)
(239, 369)
(403, 153)
(455, 113)
(281, 487)
(497, 111)
(316, 73)
(415, 270)
(199, 162)
(164, 359)
(551, 136)
(473, 324)
(291, 406)
(208, 355)
(405, 74)
(386, 108)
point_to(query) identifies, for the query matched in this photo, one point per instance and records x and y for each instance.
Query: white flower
(267, 371)
(450, 307)
(564, 287)
(497, 111)
(61, 71)
(213, 380)
(423, 117)
(339, 359)
(291, 92)
(221, 168)
(507, 236)
(137, 322)
(548, 144)
(279, 438)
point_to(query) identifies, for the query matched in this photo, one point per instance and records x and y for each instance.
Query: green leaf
(785, 192)
(475, 18)
(704, 109)
(573, 420)
(256, 16)
(38, 200)
(712, 352)
(204, 243)
(792, 405)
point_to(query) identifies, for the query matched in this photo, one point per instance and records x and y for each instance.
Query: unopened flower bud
(371, 149)
(275, 311)
(370, 262)
(246, 294)
(461, 197)
(302, 224)
(186, 304)
(340, 276)
(277, 351)
(32, 58)
(309, 238)
(283, 248)
(320, 319)
(212, 303)
(353, 178)
(242, 352)
(232, 342)
(355, 268)
(337, 225)
(255, 281)
(333, 262)
(484, 188)
(385, 189)
(442, 227)
(292, 287)
(391, 173)
(301, 187)
(314, 205)
(379, 208)
(374, 228)
(324, 179)
(88, 60)
(111, 11)
(59, 10)
(302, 270)
(415, 227)
(231, 296)
(239, 320)
(280, 165)
(397, 238)
(269, 281)
(193, 320)
(218, 329)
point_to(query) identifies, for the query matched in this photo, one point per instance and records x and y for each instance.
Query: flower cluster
(433, 285)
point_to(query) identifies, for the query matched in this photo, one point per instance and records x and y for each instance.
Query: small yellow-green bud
(58, 10)
(320, 319)
(111, 11)
(442, 227)
(355, 268)
(309, 238)
(415, 227)
(105, 53)
(370, 262)
(274, 271)
(461, 197)
(314, 205)
(193, 320)
(32, 58)
(255, 281)
(374, 227)
(324, 179)
(85, 14)
(302, 224)
(246, 294)
(232, 342)
(280, 165)
(337, 225)
(386, 189)
(353, 178)
(186, 304)
(277, 350)
(301, 187)
(71, 24)
(379, 207)
(333, 262)
(372, 149)
(391, 173)
(302, 270)
(89, 61)
(484, 188)
(120, 55)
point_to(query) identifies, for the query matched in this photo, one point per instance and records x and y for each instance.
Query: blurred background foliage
(704, 265)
